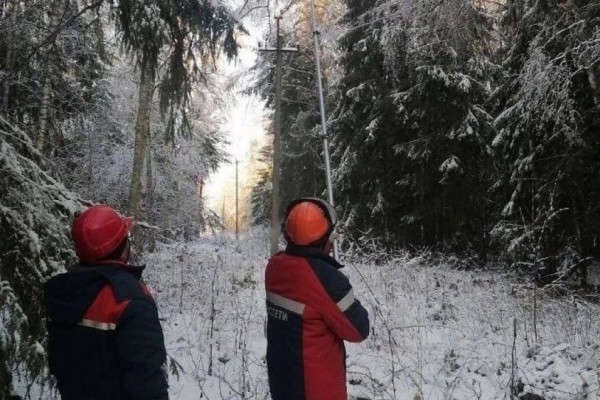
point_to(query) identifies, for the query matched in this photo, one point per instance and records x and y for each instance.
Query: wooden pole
(237, 226)
(275, 205)
(276, 148)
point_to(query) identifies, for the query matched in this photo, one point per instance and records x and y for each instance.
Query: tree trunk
(41, 138)
(43, 119)
(90, 164)
(165, 215)
(200, 200)
(142, 132)
(100, 46)
(59, 138)
(593, 79)
(9, 11)
(180, 226)
(150, 195)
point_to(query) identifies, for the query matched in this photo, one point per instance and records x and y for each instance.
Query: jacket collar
(311, 252)
(135, 270)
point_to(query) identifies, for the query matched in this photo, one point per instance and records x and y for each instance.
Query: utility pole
(237, 226)
(316, 34)
(223, 216)
(279, 50)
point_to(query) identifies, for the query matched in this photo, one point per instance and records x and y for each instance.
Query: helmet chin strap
(119, 257)
(328, 246)
(126, 252)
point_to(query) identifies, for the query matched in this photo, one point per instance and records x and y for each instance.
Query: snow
(464, 84)
(39, 349)
(371, 130)
(508, 208)
(356, 92)
(438, 332)
(451, 164)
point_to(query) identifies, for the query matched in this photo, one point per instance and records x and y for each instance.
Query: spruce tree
(547, 117)
(364, 129)
(411, 133)
(35, 214)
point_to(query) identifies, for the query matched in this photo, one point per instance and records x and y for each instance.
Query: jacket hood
(68, 296)
(312, 252)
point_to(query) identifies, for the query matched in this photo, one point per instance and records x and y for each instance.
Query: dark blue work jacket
(105, 339)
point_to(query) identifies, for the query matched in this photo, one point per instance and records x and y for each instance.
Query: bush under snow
(438, 332)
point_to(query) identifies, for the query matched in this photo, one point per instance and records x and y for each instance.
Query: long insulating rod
(316, 35)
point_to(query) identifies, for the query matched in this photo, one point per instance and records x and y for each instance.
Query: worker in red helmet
(105, 341)
(311, 309)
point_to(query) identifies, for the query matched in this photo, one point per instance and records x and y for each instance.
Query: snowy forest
(465, 153)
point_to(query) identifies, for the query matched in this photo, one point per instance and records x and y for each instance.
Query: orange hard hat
(309, 221)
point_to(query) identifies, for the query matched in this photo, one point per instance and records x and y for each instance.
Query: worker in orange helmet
(311, 309)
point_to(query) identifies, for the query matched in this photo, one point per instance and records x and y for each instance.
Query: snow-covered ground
(437, 332)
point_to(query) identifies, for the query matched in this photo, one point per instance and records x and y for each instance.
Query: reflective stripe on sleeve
(103, 326)
(347, 301)
(285, 303)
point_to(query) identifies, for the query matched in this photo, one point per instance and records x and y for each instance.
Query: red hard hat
(98, 232)
(309, 221)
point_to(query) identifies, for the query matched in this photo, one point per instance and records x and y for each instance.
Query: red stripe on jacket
(105, 307)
